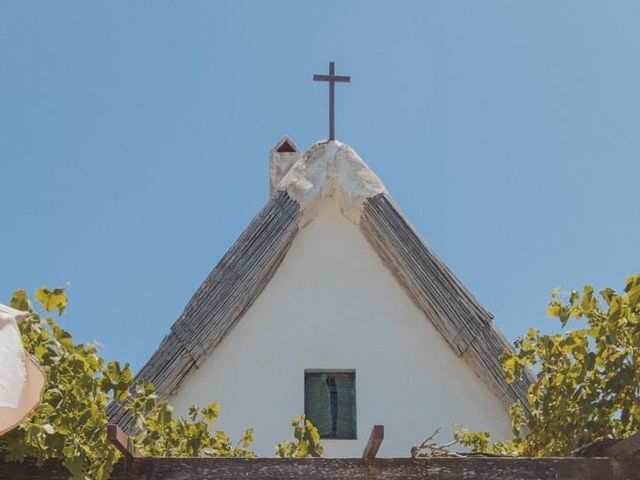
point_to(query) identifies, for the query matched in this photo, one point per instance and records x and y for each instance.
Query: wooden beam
(375, 440)
(478, 468)
(122, 442)
(609, 447)
(625, 446)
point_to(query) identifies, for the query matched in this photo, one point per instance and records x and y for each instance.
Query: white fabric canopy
(22, 381)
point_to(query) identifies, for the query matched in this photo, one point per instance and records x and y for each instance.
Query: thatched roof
(328, 169)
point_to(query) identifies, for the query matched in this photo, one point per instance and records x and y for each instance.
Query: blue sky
(134, 140)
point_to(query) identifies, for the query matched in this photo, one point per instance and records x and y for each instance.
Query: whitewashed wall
(334, 305)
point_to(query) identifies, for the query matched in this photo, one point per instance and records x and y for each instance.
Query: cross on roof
(332, 78)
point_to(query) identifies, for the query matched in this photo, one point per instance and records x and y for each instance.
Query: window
(330, 402)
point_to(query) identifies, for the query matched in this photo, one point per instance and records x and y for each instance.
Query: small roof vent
(286, 147)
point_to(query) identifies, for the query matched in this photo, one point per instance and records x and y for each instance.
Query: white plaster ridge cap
(331, 169)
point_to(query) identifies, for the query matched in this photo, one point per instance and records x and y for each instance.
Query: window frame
(351, 372)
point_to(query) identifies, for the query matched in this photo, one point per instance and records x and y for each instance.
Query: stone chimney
(281, 159)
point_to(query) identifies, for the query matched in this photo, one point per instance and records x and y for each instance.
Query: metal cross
(332, 78)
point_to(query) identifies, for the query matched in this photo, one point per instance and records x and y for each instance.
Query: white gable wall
(332, 304)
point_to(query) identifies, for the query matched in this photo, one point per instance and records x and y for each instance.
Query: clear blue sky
(134, 139)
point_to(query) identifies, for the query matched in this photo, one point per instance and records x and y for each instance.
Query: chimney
(281, 159)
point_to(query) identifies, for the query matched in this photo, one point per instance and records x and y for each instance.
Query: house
(331, 304)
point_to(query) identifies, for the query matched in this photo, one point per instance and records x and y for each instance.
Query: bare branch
(430, 448)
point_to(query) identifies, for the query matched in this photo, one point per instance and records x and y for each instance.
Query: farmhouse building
(331, 304)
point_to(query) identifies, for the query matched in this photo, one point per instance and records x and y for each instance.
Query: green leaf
(50, 300)
(211, 412)
(20, 301)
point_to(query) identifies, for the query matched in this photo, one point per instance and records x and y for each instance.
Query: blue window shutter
(318, 403)
(345, 423)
